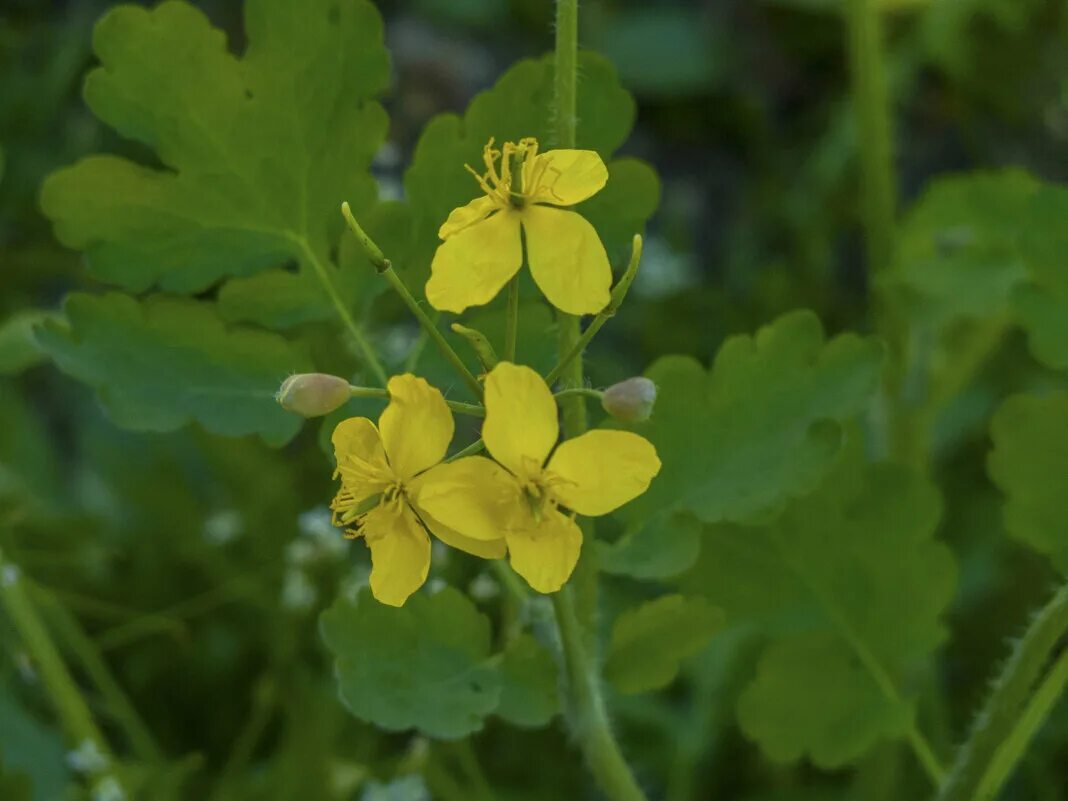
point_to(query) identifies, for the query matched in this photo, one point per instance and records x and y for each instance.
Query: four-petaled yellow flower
(521, 497)
(482, 248)
(383, 470)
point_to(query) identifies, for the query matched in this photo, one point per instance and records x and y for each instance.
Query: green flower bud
(631, 401)
(313, 394)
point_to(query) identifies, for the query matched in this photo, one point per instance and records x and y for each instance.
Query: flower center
(520, 173)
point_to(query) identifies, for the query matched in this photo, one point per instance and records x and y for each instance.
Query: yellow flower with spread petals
(383, 469)
(482, 248)
(523, 492)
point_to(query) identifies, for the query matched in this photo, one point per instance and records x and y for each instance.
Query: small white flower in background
(298, 593)
(109, 789)
(317, 527)
(436, 585)
(398, 342)
(223, 527)
(358, 578)
(484, 587)
(87, 758)
(9, 574)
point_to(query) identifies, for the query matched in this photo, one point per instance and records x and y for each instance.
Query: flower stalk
(588, 714)
(385, 268)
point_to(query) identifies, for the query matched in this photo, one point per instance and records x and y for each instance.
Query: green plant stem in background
(473, 409)
(385, 268)
(587, 713)
(121, 710)
(367, 352)
(511, 329)
(73, 712)
(871, 104)
(619, 292)
(1006, 707)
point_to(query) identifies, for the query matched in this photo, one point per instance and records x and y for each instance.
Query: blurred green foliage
(183, 573)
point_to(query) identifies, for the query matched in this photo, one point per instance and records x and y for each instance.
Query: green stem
(1005, 705)
(871, 104)
(118, 702)
(565, 395)
(474, 448)
(1010, 752)
(73, 712)
(588, 713)
(619, 292)
(511, 328)
(385, 268)
(367, 352)
(473, 409)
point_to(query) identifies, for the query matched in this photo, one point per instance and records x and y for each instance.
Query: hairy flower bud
(631, 401)
(313, 394)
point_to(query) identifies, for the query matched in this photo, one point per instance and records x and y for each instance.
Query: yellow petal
(545, 556)
(416, 426)
(475, 497)
(487, 549)
(400, 552)
(466, 216)
(361, 461)
(567, 259)
(359, 437)
(598, 472)
(521, 426)
(471, 266)
(568, 176)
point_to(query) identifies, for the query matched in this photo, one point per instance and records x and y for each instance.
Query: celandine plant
(759, 535)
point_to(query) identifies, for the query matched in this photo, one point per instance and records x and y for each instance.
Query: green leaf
(761, 427)
(163, 362)
(849, 587)
(649, 642)
(958, 256)
(257, 153)
(424, 665)
(1028, 461)
(1042, 304)
(518, 106)
(658, 548)
(28, 747)
(528, 683)
(18, 348)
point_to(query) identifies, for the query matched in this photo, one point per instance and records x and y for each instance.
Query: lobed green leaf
(761, 427)
(649, 642)
(849, 587)
(1030, 435)
(257, 153)
(424, 665)
(162, 362)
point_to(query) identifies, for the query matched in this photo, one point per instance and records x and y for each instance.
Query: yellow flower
(521, 494)
(482, 250)
(382, 472)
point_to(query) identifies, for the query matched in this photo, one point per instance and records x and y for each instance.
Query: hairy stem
(367, 352)
(1034, 715)
(1005, 707)
(871, 105)
(589, 715)
(587, 712)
